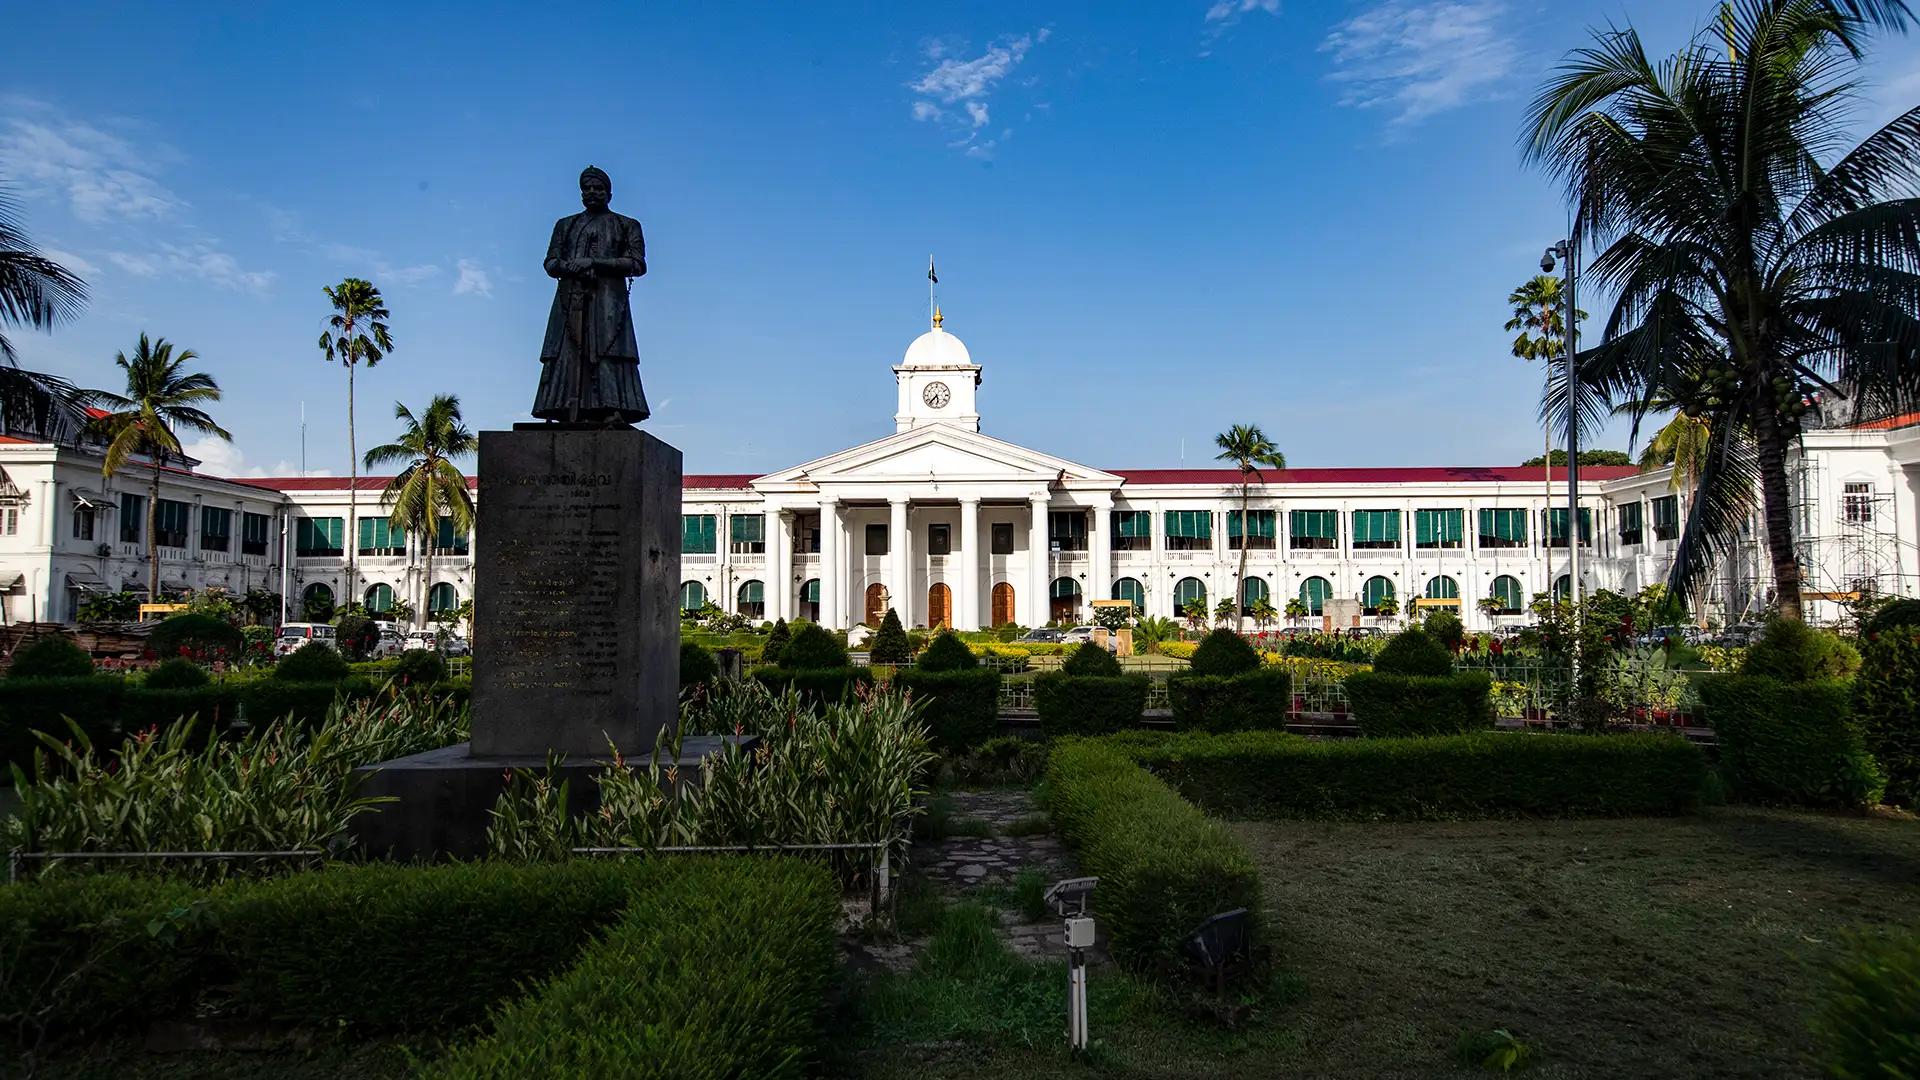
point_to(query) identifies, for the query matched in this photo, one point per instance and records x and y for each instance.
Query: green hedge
(1257, 699)
(723, 969)
(1869, 1023)
(1396, 705)
(30, 705)
(816, 685)
(1790, 743)
(1163, 865)
(1267, 774)
(1886, 698)
(1088, 704)
(963, 707)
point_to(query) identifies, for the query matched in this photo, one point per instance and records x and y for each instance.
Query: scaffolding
(1847, 540)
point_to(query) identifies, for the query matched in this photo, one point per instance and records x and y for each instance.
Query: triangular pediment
(939, 452)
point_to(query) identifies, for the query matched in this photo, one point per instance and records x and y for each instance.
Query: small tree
(1223, 612)
(1112, 616)
(1263, 613)
(1296, 609)
(890, 644)
(777, 639)
(1195, 612)
(1387, 606)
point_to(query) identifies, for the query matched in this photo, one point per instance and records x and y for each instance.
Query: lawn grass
(1612, 948)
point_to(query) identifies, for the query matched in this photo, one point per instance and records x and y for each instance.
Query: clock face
(936, 395)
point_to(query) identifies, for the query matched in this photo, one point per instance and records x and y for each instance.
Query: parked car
(1659, 636)
(449, 644)
(295, 634)
(390, 643)
(1042, 635)
(1079, 635)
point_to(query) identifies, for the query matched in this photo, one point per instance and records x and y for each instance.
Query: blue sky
(1151, 220)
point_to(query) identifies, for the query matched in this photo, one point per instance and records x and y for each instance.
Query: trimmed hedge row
(1385, 706)
(1163, 865)
(1088, 704)
(720, 970)
(1790, 743)
(1256, 699)
(1265, 774)
(963, 707)
(817, 686)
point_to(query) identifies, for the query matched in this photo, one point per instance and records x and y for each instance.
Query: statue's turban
(595, 170)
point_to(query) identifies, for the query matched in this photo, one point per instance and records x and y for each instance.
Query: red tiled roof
(11, 440)
(702, 481)
(1419, 474)
(1890, 423)
(711, 481)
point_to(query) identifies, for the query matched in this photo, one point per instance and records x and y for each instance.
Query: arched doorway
(693, 596)
(379, 598)
(751, 600)
(442, 597)
(876, 610)
(1314, 593)
(1187, 592)
(1064, 602)
(1130, 590)
(1002, 604)
(1253, 590)
(1375, 594)
(316, 603)
(1506, 593)
(939, 606)
(810, 600)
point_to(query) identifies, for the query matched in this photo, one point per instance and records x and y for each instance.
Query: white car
(295, 634)
(1079, 635)
(390, 642)
(451, 644)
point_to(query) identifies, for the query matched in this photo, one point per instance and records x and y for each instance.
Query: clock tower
(937, 380)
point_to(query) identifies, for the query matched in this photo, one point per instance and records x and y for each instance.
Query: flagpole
(933, 282)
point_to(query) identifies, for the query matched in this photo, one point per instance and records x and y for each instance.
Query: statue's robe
(590, 362)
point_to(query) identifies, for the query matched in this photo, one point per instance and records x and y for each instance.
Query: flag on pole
(931, 276)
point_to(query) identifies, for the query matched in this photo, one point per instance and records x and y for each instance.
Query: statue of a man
(590, 363)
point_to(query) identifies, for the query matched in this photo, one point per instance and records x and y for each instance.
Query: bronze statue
(590, 363)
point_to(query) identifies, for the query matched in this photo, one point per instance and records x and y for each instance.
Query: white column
(780, 562)
(966, 594)
(1038, 560)
(832, 572)
(1100, 553)
(899, 561)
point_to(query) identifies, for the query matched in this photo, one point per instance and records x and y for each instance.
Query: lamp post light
(1569, 251)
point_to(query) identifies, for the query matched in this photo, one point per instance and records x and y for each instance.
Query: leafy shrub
(1270, 774)
(1256, 699)
(963, 707)
(1412, 652)
(1446, 628)
(304, 703)
(200, 637)
(148, 708)
(720, 970)
(1791, 743)
(50, 657)
(777, 639)
(1163, 865)
(812, 649)
(697, 666)
(355, 635)
(1896, 614)
(1224, 652)
(312, 662)
(890, 645)
(1869, 1023)
(29, 705)
(1003, 759)
(1088, 704)
(817, 686)
(1886, 699)
(1091, 659)
(419, 668)
(1793, 652)
(946, 652)
(178, 673)
(1393, 705)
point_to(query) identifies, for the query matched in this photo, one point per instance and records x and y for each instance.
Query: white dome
(937, 349)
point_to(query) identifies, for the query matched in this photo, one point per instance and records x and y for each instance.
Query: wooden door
(876, 605)
(1002, 604)
(939, 606)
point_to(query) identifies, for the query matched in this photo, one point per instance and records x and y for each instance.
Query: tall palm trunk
(1771, 445)
(153, 539)
(424, 611)
(353, 483)
(1246, 544)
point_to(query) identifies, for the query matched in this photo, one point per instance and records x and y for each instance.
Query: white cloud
(927, 110)
(69, 261)
(219, 457)
(978, 112)
(102, 176)
(474, 280)
(1415, 58)
(406, 275)
(1229, 11)
(285, 467)
(199, 259)
(970, 84)
(137, 265)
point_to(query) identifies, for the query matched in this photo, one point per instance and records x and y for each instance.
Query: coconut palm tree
(1539, 314)
(429, 486)
(356, 333)
(162, 399)
(1727, 226)
(35, 292)
(1249, 449)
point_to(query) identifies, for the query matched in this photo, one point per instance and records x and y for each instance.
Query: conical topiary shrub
(1224, 652)
(890, 643)
(946, 652)
(777, 639)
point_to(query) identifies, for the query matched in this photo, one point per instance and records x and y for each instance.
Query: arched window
(810, 599)
(1002, 604)
(1506, 589)
(876, 608)
(1376, 591)
(752, 600)
(379, 598)
(1314, 593)
(1130, 590)
(693, 596)
(1253, 589)
(1443, 588)
(1188, 590)
(316, 602)
(939, 606)
(442, 597)
(1063, 599)
(1563, 588)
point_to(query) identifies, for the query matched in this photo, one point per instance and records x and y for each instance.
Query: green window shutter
(366, 533)
(1253, 589)
(1314, 524)
(693, 596)
(1376, 526)
(1375, 590)
(1630, 517)
(1261, 522)
(810, 592)
(1314, 593)
(1435, 528)
(1190, 524)
(749, 528)
(336, 532)
(753, 592)
(1130, 590)
(1506, 589)
(1132, 524)
(1065, 589)
(1666, 512)
(1189, 589)
(446, 540)
(697, 535)
(1507, 525)
(1443, 588)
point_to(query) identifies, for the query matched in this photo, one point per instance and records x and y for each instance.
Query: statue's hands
(579, 267)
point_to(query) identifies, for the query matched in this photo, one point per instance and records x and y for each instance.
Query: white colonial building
(954, 527)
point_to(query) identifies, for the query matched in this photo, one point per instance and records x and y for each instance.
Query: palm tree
(161, 399)
(1248, 448)
(35, 292)
(356, 332)
(1538, 313)
(430, 485)
(1707, 181)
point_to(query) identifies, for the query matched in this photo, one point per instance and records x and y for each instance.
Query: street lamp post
(1569, 306)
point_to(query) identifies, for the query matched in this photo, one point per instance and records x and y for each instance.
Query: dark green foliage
(1270, 774)
(1869, 1024)
(811, 649)
(1163, 865)
(1446, 628)
(1790, 743)
(946, 652)
(312, 662)
(1413, 652)
(890, 645)
(355, 635)
(777, 639)
(697, 666)
(1896, 614)
(148, 708)
(178, 673)
(270, 700)
(963, 707)
(721, 970)
(1393, 705)
(1791, 651)
(50, 657)
(817, 686)
(1091, 659)
(1001, 760)
(1088, 704)
(1886, 700)
(1256, 699)
(205, 638)
(317, 607)
(419, 668)
(30, 705)
(1224, 652)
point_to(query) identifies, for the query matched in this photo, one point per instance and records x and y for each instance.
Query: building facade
(953, 527)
